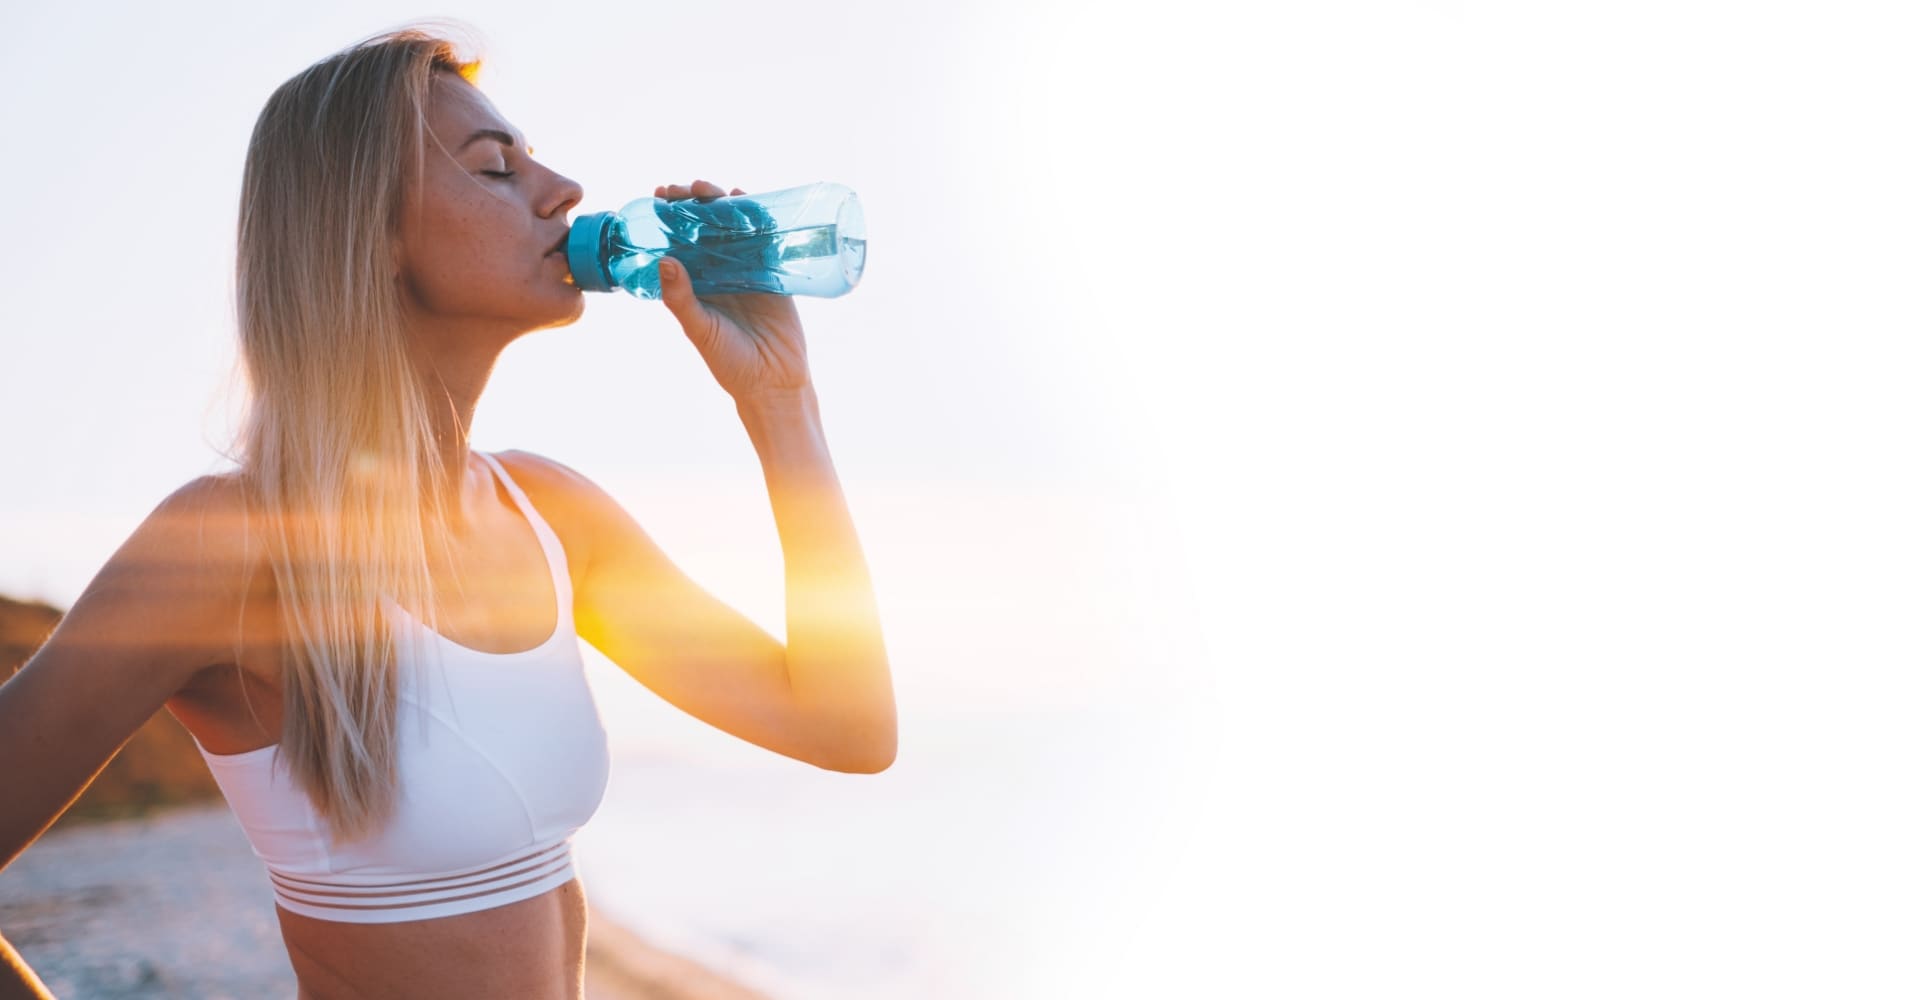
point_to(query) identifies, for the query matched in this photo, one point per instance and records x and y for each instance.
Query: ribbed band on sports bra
(380, 900)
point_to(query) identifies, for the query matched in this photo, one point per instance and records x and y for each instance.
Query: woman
(369, 629)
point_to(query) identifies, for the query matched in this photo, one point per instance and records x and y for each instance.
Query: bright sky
(1505, 409)
(970, 406)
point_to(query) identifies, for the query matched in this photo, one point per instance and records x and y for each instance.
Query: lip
(559, 245)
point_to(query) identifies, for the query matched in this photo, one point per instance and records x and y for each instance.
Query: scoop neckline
(558, 628)
(523, 506)
(242, 755)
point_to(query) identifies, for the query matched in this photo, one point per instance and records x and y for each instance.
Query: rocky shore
(174, 904)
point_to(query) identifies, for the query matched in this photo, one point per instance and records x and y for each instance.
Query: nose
(563, 193)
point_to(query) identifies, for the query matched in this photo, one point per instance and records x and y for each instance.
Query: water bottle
(809, 240)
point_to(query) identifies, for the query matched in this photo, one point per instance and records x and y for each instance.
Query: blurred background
(1366, 499)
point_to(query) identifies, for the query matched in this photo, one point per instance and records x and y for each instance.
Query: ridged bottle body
(809, 240)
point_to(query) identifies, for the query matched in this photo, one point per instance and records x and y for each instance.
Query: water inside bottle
(729, 259)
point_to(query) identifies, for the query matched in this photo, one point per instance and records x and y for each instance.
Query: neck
(453, 384)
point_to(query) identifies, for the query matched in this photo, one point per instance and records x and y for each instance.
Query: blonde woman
(369, 629)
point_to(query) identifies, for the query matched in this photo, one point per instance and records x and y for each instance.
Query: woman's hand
(752, 342)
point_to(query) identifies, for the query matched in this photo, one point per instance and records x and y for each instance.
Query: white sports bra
(501, 759)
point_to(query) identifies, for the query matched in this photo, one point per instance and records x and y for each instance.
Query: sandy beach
(175, 905)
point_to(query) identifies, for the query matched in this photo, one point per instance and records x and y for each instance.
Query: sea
(988, 861)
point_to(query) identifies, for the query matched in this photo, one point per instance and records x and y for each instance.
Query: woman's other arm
(17, 982)
(166, 605)
(705, 658)
(835, 658)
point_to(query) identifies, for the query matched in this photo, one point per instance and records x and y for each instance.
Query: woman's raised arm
(165, 606)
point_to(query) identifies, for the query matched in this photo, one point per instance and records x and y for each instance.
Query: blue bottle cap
(583, 252)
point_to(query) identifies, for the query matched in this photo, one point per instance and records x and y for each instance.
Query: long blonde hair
(336, 448)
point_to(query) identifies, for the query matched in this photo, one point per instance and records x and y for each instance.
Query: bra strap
(549, 541)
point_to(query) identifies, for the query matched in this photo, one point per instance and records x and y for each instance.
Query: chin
(576, 305)
(567, 316)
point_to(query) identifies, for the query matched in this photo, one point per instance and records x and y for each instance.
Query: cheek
(460, 261)
(439, 276)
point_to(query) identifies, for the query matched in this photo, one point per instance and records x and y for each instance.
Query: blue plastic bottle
(808, 240)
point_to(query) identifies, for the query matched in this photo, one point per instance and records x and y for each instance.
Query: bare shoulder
(558, 488)
(579, 511)
(177, 585)
(207, 526)
(548, 476)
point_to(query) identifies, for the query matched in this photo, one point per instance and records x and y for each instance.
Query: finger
(676, 291)
(698, 189)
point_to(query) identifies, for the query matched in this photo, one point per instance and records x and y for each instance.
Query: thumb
(676, 290)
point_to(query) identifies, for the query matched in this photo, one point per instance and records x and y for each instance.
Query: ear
(397, 263)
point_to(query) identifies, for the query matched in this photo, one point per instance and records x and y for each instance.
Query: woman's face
(476, 235)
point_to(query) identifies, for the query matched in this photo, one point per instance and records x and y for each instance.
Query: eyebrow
(496, 135)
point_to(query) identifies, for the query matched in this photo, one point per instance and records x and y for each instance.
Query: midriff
(533, 949)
